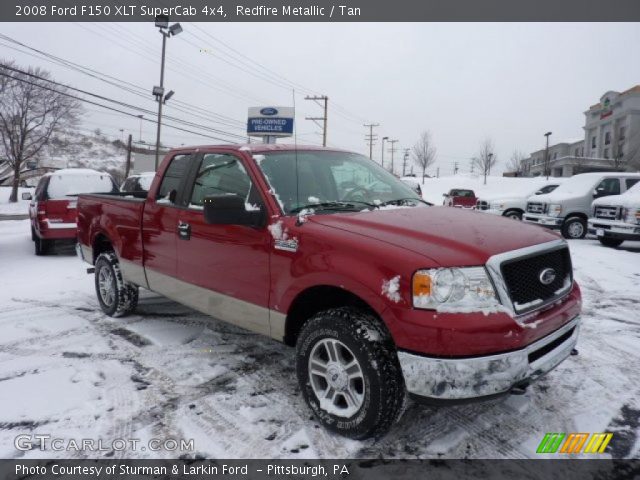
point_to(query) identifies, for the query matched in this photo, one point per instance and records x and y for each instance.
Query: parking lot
(69, 371)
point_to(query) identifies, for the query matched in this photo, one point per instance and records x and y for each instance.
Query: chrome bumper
(544, 220)
(458, 379)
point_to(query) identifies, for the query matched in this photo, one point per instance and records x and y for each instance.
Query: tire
(513, 214)
(367, 404)
(574, 228)
(117, 298)
(610, 242)
(42, 247)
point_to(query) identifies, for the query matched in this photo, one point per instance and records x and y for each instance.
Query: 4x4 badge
(547, 276)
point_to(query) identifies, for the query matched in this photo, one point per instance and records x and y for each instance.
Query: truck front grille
(482, 205)
(528, 279)
(535, 207)
(606, 212)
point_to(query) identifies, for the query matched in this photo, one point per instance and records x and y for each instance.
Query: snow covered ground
(21, 207)
(69, 371)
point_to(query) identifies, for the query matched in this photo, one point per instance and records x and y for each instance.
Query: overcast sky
(463, 82)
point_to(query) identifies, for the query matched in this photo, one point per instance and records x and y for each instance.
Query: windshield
(62, 185)
(335, 180)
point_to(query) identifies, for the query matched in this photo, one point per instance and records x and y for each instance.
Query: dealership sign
(270, 122)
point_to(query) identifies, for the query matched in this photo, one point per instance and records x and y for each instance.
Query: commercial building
(611, 140)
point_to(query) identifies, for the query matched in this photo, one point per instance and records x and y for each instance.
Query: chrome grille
(535, 207)
(482, 205)
(606, 212)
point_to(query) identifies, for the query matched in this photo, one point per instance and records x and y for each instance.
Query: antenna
(295, 146)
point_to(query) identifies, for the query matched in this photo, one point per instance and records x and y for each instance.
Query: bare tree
(424, 152)
(516, 163)
(31, 110)
(485, 158)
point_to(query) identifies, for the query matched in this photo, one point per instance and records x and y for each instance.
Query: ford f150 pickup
(381, 293)
(460, 198)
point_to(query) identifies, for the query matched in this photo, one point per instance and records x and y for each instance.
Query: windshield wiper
(345, 206)
(402, 201)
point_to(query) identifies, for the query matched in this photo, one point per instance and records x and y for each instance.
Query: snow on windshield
(64, 184)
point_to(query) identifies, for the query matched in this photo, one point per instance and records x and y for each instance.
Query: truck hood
(553, 197)
(503, 198)
(448, 236)
(628, 199)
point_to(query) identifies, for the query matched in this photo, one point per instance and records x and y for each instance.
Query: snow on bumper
(457, 379)
(544, 220)
(614, 229)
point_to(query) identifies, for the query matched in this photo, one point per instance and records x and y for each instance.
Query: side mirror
(539, 192)
(27, 196)
(231, 210)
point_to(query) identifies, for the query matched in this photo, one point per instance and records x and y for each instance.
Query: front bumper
(614, 229)
(543, 220)
(484, 376)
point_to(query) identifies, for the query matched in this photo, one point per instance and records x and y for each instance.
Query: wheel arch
(317, 298)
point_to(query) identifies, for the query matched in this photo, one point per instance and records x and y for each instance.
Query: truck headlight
(631, 215)
(459, 288)
(555, 210)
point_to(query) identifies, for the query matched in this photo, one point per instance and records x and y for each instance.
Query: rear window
(63, 185)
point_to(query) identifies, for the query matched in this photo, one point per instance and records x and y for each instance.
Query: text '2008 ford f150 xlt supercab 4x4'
(381, 293)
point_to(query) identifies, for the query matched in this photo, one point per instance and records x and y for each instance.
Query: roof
(261, 147)
(600, 174)
(76, 171)
(634, 89)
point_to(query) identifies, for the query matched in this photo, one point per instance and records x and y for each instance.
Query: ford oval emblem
(268, 111)
(547, 276)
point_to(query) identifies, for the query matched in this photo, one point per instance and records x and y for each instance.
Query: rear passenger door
(159, 226)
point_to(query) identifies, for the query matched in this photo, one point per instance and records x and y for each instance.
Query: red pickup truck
(381, 293)
(458, 197)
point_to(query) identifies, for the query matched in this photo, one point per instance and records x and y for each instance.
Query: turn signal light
(421, 284)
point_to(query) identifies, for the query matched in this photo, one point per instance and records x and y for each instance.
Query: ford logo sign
(547, 276)
(268, 111)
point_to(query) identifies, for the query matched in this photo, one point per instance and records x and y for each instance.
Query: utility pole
(404, 161)
(455, 167)
(546, 156)
(371, 137)
(127, 168)
(325, 99)
(393, 149)
(384, 139)
(140, 117)
(471, 162)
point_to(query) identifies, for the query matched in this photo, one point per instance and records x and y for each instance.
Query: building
(611, 140)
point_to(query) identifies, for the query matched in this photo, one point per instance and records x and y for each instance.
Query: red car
(53, 207)
(459, 197)
(381, 294)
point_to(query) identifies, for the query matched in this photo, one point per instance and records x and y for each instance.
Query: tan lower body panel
(223, 307)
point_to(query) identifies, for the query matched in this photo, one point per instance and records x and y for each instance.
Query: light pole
(382, 157)
(489, 166)
(393, 149)
(122, 135)
(546, 156)
(162, 22)
(140, 117)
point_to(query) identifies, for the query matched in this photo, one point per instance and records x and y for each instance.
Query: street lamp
(162, 22)
(546, 156)
(393, 149)
(382, 157)
(490, 156)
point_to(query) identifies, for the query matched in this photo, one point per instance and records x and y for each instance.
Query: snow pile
(250, 207)
(258, 158)
(278, 231)
(304, 215)
(21, 207)
(391, 289)
(313, 200)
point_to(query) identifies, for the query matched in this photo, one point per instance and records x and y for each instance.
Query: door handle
(184, 230)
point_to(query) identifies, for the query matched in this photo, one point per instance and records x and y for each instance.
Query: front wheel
(574, 228)
(610, 242)
(116, 297)
(513, 214)
(349, 373)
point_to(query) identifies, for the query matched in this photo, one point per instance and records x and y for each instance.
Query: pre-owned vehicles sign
(270, 121)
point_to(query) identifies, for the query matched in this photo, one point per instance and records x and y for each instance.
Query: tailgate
(63, 212)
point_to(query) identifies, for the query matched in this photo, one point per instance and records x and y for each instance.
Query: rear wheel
(42, 247)
(574, 228)
(513, 214)
(117, 298)
(610, 242)
(349, 373)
